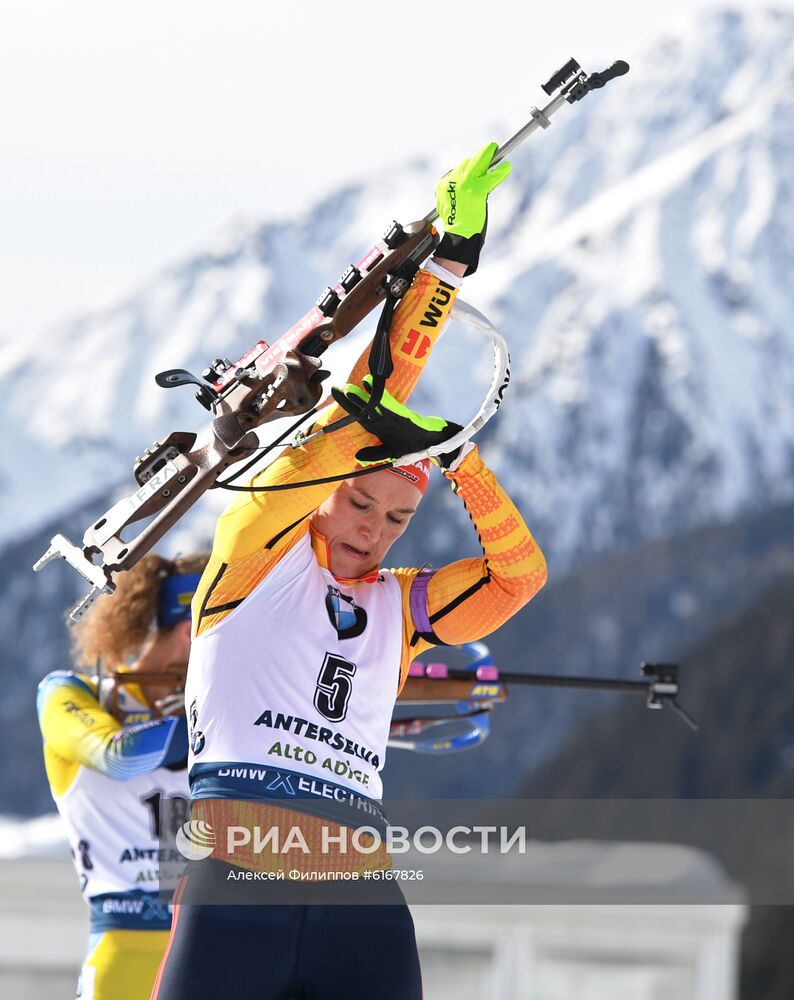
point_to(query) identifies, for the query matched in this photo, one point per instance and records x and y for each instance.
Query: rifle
(471, 691)
(285, 379)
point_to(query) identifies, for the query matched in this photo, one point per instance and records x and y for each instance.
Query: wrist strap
(463, 249)
(465, 449)
(433, 267)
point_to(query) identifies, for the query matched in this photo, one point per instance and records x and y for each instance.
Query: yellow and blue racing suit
(113, 782)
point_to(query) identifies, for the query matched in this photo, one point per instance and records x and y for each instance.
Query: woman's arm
(452, 266)
(77, 729)
(253, 520)
(256, 529)
(469, 599)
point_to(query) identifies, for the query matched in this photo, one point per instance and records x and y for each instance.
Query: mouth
(353, 551)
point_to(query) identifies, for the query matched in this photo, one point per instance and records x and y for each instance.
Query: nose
(371, 526)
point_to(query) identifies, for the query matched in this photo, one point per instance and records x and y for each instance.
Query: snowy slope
(640, 261)
(655, 391)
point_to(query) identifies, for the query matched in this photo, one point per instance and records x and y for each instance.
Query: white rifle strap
(474, 319)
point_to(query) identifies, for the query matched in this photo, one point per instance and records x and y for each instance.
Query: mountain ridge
(651, 337)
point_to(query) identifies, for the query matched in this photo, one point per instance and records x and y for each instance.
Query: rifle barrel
(555, 680)
(540, 119)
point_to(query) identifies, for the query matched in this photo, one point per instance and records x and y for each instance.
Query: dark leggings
(291, 952)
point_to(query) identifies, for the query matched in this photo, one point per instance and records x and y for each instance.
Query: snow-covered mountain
(655, 272)
(640, 261)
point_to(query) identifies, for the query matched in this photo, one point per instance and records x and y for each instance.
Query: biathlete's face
(362, 520)
(168, 651)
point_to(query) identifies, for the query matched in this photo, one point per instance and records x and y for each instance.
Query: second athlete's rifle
(284, 379)
(468, 694)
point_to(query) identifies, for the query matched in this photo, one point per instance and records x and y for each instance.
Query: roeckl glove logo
(453, 205)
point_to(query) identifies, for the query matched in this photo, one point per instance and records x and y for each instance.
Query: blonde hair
(116, 627)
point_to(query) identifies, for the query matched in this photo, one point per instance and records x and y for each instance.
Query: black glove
(463, 249)
(400, 430)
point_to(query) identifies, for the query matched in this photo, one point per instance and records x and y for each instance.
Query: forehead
(386, 489)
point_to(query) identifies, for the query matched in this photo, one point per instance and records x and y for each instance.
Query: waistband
(254, 783)
(129, 911)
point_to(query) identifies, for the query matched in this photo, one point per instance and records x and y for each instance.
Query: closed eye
(358, 506)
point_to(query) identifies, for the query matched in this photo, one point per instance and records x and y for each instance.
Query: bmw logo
(198, 741)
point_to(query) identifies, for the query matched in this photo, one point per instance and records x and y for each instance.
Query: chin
(350, 569)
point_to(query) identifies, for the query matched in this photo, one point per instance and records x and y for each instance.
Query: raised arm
(259, 527)
(253, 520)
(78, 731)
(256, 529)
(469, 599)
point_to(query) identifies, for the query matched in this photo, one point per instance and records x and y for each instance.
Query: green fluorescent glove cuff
(462, 194)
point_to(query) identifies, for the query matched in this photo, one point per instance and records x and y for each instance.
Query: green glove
(462, 194)
(400, 430)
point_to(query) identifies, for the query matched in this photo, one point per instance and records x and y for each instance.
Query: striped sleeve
(76, 728)
(469, 599)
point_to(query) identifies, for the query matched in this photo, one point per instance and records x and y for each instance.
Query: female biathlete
(115, 750)
(301, 645)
